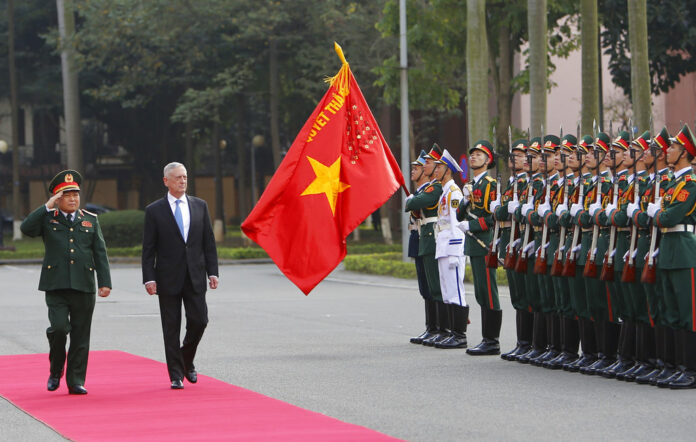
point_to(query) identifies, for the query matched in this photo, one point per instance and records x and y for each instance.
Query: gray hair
(171, 166)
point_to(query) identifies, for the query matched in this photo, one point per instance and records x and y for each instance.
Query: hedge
(122, 228)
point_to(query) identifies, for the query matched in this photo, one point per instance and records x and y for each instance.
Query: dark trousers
(70, 313)
(180, 356)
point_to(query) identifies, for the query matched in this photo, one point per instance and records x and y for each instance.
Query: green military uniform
(477, 215)
(74, 250)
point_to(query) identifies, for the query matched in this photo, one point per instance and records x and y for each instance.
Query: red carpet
(130, 399)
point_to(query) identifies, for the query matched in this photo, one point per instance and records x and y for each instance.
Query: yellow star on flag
(327, 181)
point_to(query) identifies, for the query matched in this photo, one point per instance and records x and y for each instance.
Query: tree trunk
(190, 166)
(504, 88)
(536, 19)
(640, 71)
(219, 198)
(477, 70)
(71, 92)
(16, 207)
(274, 100)
(590, 66)
(242, 159)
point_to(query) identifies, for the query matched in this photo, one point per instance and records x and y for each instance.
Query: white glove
(530, 246)
(408, 198)
(656, 252)
(463, 226)
(594, 207)
(575, 208)
(526, 207)
(610, 208)
(452, 261)
(543, 209)
(631, 209)
(494, 205)
(652, 209)
(560, 209)
(513, 205)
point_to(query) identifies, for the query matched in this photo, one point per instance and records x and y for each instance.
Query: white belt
(679, 228)
(431, 219)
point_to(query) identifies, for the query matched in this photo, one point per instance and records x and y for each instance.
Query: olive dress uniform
(478, 219)
(74, 251)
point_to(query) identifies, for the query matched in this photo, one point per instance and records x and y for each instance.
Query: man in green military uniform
(427, 202)
(674, 215)
(74, 250)
(477, 219)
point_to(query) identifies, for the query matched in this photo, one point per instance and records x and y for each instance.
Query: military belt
(428, 220)
(504, 224)
(679, 228)
(587, 229)
(623, 229)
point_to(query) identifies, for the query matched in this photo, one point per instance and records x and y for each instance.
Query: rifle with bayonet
(511, 252)
(492, 257)
(557, 265)
(590, 265)
(629, 270)
(540, 263)
(521, 263)
(607, 273)
(569, 267)
(649, 276)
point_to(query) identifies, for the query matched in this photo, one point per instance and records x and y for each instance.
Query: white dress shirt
(185, 213)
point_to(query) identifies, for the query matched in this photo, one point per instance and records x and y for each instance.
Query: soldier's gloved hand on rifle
(463, 226)
(452, 261)
(610, 208)
(409, 197)
(652, 209)
(632, 209)
(513, 205)
(543, 209)
(526, 207)
(495, 204)
(560, 209)
(466, 191)
(575, 208)
(594, 207)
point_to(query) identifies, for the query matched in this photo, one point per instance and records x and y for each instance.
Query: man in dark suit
(178, 253)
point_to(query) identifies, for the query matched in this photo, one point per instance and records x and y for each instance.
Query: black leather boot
(429, 323)
(441, 324)
(687, 379)
(626, 351)
(588, 341)
(492, 320)
(538, 340)
(569, 346)
(553, 333)
(660, 355)
(678, 337)
(601, 361)
(645, 354)
(459, 318)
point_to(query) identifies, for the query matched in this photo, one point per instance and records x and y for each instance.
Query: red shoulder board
(665, 178)
(86, 224)
(687, 178)
(683, 195)
(429, 189)
(554, 182)
(622, 178)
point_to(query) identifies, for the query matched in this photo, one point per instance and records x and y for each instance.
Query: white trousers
(452, 281)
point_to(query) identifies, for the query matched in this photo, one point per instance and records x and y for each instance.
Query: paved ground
(343, 351)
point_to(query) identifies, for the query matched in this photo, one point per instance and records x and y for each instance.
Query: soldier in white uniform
(449, 252)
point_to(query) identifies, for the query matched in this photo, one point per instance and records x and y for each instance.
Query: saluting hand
(52, 201)
(104, 292)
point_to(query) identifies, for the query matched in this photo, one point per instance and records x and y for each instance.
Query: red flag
(338, 171)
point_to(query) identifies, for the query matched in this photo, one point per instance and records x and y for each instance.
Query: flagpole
(405, 163)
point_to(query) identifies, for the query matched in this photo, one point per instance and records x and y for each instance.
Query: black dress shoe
(53, 383)
(561, 360)
(457, 340)
(177, 385)
(531, 354)
(637, 371)
(687, 379)
(436, 337)
(419, 339)
(549, 355)
(76, 389)
(601, 364)
(664, 383)
(648, 377)
(191, 376)
(666, 373)
(487, 347)
(614, 370)
(510, 353)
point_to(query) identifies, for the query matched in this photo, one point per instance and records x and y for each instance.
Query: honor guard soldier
(449, 253)
(508, 249)
(674, 216)
(421, 181)
(74, 250)
(664, 364)
(426, 202)
(477, 223)
(577, 247)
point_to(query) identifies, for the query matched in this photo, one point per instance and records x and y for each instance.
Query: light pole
(256, 142)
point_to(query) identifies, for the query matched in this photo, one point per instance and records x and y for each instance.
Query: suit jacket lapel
(192, 210)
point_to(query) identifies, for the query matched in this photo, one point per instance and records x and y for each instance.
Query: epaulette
(453, 188)
(622, 178)
(55, 212)
(88, 212)
(688, 177)
(665, 177)
(490, 178)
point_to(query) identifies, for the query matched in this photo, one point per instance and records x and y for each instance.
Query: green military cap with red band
(65, 181)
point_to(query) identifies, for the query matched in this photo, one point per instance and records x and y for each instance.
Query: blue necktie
(179, 218)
